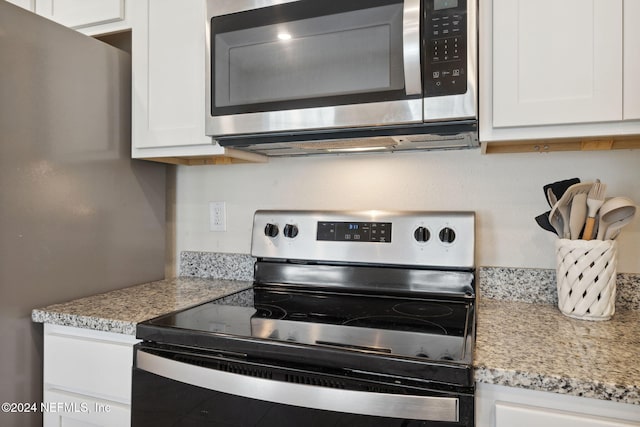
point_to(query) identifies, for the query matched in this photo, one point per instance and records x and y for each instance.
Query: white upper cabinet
(26, 4)
(168, 47)
(556, 61)
(168, 68)
(559, 69)
(631, 60)
(91, 17)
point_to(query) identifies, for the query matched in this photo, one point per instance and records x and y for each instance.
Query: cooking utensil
(558, 188)
(595, 199)
(614, 229)
(578, 215)
(614, 210)
(551, 197)
(555, 219)
(543, 221)
(564, 204)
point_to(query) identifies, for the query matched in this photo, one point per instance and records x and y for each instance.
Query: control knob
(271, 230)
(290, 231)
(447, 235)
(422, 234)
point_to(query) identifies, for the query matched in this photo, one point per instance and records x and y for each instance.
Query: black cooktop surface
(422, 328)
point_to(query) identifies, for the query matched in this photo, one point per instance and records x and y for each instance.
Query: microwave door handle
(431, 408)
(411, 47)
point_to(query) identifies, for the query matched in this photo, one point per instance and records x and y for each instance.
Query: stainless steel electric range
(354, 319)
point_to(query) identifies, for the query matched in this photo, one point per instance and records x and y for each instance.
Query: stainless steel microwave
(288, 77)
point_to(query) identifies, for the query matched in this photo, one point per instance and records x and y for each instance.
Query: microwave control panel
(446, 47)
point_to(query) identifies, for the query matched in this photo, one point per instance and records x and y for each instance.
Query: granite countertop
(522, 339)
(120, 310)
(535, 346)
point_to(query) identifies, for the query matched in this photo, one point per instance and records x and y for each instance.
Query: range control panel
(432, 239)
(333, 231)
(446, 47)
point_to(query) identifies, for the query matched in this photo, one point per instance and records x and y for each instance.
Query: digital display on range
(354, 231)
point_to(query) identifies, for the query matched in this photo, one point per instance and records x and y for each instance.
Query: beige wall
(505, 190)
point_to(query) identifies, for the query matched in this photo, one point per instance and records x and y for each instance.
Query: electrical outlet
(217, 216)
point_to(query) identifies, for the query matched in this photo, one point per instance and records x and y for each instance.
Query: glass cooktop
(418, 328)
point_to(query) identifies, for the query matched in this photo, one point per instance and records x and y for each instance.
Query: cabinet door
(93, 366)
(87, 377)
(26, 4)
(69, 410)
(168, 44)
(88, 362)
(631, 60)
(556, 61)
(500, 406)
(82, 13)
(509, 415)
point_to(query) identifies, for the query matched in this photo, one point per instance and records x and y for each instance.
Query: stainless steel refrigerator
(77, 215)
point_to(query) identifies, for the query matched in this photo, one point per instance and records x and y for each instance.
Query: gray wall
(77, 215)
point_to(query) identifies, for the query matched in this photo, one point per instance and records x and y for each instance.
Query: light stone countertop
(522, 338)
(534, 346)
(120, 310)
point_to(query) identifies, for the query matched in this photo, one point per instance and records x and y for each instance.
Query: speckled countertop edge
(534, 346)
(119, 311)
(523, 340)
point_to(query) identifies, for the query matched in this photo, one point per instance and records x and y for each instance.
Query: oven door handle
(424, 408)
(411, 47)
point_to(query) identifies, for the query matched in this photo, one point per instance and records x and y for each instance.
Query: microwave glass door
(306, 54)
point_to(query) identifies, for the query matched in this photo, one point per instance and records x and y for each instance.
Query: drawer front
(90, 365)
(508, 414)
(67, 410)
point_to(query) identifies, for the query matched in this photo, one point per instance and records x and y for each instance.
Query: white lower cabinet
(509, 414)
(87, 377)
(69, 410)
(499, 406)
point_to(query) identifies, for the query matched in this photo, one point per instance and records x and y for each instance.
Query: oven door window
(307, 54)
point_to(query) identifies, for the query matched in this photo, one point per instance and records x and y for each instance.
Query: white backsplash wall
(505, 190)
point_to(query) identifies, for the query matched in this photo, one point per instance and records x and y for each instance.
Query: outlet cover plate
(217, 216)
